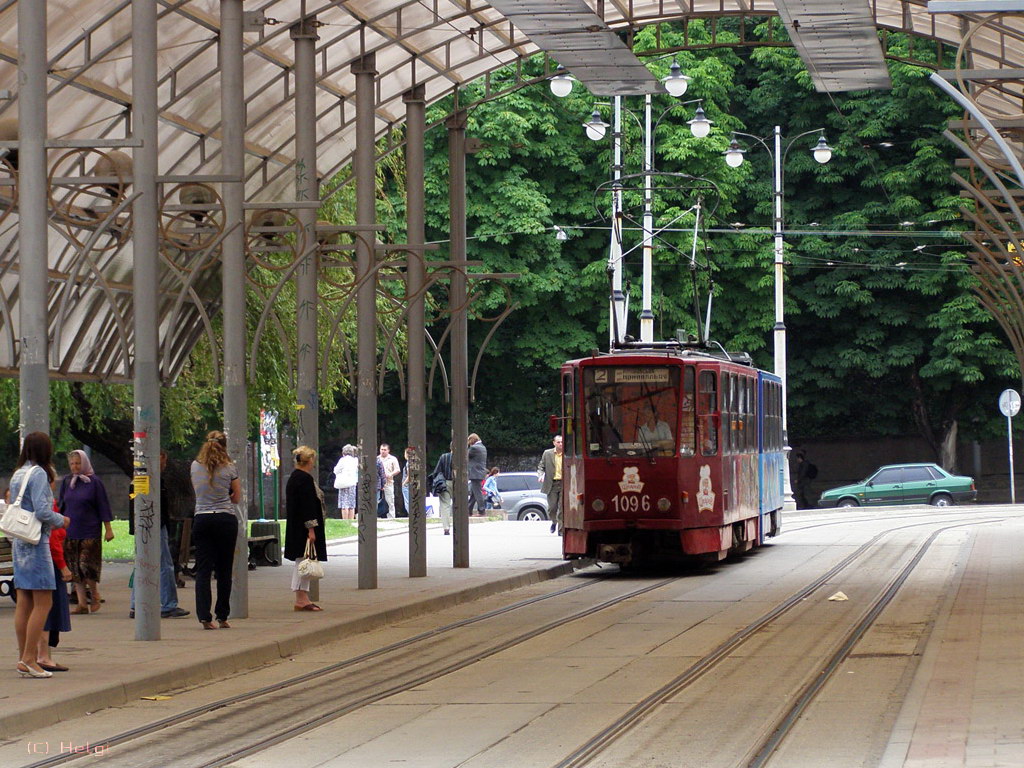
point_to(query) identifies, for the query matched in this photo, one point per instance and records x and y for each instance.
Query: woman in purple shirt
(84, 499)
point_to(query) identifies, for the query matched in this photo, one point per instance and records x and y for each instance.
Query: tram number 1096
(631, 502)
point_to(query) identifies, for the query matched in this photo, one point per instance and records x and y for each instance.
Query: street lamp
(561, 82)
(822, 153)
(596, 128)
(676, 82)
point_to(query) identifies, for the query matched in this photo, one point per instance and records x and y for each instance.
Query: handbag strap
(24, 484)
(310, 552)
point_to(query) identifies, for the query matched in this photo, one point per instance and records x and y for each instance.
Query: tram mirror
(553, 425)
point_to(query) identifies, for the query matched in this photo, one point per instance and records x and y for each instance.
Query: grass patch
(123, 545)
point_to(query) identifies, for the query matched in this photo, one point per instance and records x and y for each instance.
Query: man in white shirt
(391, 468)
(656, 434)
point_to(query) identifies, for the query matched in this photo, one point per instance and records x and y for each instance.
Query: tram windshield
(631, 410)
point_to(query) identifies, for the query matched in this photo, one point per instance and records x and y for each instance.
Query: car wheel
(848, 503)
(532, 514)
(942, 500)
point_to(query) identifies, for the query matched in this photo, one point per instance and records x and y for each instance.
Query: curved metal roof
(437, 44)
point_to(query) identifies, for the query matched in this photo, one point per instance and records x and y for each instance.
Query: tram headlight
(664, 505)
(597, 505)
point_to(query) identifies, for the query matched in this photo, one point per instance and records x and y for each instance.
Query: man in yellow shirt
(550, 470)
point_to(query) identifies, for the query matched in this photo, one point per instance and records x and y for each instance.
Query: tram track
(315, 694)
(759, 755)
(308, 685)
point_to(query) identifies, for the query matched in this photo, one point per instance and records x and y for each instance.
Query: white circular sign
(1009, 403)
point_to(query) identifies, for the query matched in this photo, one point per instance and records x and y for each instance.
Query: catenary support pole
(365, 71)
(617, 324)
(33, 372)
(146, 372)
(459, 336)
(232, 109)
(779, 334)
(415, 125)
(306, 188)
(646, 310)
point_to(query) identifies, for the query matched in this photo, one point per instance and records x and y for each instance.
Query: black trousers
(214, 535)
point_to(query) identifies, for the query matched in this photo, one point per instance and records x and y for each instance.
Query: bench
(6, 568)
(266, 548)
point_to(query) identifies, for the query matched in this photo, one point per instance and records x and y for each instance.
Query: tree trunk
(111, 437)
(947, 460)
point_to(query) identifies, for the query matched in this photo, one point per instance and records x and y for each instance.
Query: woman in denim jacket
(33, 567)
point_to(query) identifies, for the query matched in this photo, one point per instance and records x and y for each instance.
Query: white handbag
(311, 568)
(18, 523)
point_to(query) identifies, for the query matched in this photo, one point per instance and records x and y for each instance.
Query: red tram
(671, 451)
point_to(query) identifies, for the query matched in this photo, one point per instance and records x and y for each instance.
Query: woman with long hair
(304, 502)
(84, 499)
(34, 579)
(215, 526)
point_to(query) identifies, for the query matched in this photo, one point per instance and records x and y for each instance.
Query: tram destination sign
(640, 375)
(1009, 403)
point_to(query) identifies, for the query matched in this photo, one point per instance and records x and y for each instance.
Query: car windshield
(631, 410)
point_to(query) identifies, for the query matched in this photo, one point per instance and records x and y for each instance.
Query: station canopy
(439, 45)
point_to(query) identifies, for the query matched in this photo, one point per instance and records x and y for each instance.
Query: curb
(239, 660)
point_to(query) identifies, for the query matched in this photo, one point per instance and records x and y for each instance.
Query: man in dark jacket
(477, 471)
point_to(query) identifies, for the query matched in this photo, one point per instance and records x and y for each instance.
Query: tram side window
(707, 411)
(750, 420)
(686, 424)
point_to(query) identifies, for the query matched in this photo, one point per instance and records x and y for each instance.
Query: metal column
(233, 120)
(415, 126)
(306, 188)
(33, 372)
(459, 338)
(145, 249)
(365, 71)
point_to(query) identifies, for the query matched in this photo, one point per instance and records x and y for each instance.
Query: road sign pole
(1009, 405)
(1009, 441)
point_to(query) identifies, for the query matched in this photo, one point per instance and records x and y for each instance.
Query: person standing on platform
(84, 499)
(346, 478)
(391, 469)
(550, 471)
(34, 579)
(304, 504)
(169, 608)
(441, 484)
(477, 471)
(215, 526)
(59, 619)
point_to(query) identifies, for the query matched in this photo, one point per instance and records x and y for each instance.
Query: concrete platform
(109, 667)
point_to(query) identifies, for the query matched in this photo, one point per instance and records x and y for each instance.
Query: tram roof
(440, 45)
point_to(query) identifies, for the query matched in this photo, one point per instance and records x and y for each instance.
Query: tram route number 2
(631, 502)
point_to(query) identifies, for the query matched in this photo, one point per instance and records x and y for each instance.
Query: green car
(903, 484)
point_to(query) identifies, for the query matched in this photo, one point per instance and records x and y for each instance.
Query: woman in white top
(346, 477)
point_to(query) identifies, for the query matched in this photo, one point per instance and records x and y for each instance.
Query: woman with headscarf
(215, 526)
(84, 499)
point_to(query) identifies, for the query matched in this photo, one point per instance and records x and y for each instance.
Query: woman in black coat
(304, 505)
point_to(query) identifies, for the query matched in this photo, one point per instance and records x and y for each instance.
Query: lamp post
(822, 153)
(596, 128)
(676, 84)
